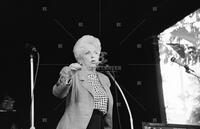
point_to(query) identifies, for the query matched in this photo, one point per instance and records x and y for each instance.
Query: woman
(89, 101)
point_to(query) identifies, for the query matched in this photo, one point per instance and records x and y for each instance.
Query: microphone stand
(192, 72)
(32, 92)
(126, 102)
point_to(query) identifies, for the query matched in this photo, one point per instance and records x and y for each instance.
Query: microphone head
(173, 59)
(30, 47)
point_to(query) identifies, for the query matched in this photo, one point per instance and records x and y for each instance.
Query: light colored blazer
(80, 101)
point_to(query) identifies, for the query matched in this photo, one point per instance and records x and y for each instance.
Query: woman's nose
(92, 55)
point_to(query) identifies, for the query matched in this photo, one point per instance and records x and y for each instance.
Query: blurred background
(128, 31)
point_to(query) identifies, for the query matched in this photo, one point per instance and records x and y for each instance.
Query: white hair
(81, 44)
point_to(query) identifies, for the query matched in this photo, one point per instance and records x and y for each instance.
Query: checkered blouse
(100, 96)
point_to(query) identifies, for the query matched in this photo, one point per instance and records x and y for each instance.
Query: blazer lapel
(103, 82)
(84, 81)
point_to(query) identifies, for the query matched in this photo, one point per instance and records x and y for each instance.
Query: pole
(126, 102)
(32, 92)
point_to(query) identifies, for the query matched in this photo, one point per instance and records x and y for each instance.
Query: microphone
(102, 67)
(30, 47)
(173, 59)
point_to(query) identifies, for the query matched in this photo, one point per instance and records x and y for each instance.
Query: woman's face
(90, 57)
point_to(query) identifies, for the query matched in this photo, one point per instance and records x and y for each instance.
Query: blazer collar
(83, 74)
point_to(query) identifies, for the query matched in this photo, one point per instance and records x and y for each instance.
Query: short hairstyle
(80, 45)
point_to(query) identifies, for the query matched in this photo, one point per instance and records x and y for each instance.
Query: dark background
(127, 30)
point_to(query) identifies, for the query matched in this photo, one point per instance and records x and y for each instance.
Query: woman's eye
(96, 53)
(86, 53)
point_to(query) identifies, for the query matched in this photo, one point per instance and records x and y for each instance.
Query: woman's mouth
(93, 61)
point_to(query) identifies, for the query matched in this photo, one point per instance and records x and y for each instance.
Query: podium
(147, 125)
(8, 119)
(8, 115)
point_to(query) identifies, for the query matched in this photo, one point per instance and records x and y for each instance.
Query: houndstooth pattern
(100, 97)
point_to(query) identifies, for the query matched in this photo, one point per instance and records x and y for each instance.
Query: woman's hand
(67, 72)
(75, 66)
